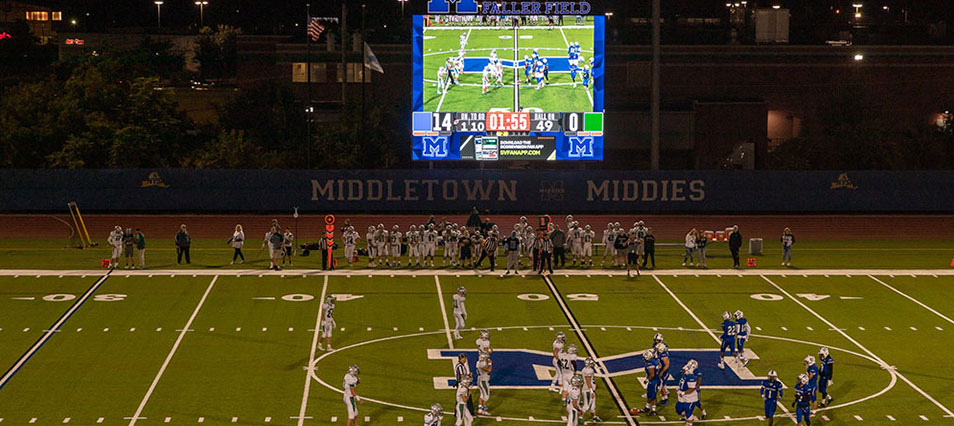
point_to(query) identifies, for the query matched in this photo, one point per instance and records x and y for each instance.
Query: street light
(857, 7)
(859, 57)
(201, 4)
(402, 6)
(158, 4)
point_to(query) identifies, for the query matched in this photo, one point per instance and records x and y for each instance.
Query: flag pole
(308, 111)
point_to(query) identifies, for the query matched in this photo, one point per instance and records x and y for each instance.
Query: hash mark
(890, 417)
(201, 419)
(923, 417)
(888, 328)
(858, 418)
(938, 329)
(67, 420)
(913, 329)
(167, 419)
(234, 419)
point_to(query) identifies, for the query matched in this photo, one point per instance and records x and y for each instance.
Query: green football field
(223, 346)
(560, 95)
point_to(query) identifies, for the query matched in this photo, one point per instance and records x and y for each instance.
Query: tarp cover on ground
(500, 191)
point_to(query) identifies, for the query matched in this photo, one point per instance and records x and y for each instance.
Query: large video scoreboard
(491, 87)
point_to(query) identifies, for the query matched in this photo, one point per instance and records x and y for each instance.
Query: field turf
(219, 347)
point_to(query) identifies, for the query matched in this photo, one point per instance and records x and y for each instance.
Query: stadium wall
(458, 191)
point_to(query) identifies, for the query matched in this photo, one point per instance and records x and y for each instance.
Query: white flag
(371, 61)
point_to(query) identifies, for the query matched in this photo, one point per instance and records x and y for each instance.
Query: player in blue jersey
(803, 401)
(573, 71)
(570, 51)
(662, 355)
(811, 369)
(729, 332)
(527, 68)
(771, 391)
(825, 375)
(688, 394)
(538, 73)
(546, 71)
(652, 383)
(744, 329)
(586, 76)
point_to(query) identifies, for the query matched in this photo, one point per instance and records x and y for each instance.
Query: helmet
(589, 362)
(370, 228)
(616, 224)
(437, 410)
(803, 378)
(483, 357)
(430, 226)
(726, 316)
(694, 364)
(661, 348)
(571, 349)
(569, 218)
(809, 360)
(561, 336)
(687, 369)
(413, 228)
(587, 227)
(330, 300)
(823, 352)
(544, 60)
(772, 375)
(462, 291)
(648, 354)
(658, 338)
(484, 334)
(395, 227)
(353, 370)
(523, 218)
(526, 57)
(609, 225)
(576, 381)
(739, 314)
(380, 226)
(465, 381)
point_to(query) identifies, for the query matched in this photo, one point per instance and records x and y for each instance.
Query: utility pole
(654, 103)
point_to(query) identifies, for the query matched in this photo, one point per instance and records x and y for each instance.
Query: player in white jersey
(451, 249)
(460, 407)
(351, 398)
(576, 243)
(574, 411)
(372, 248)
(442, 80)
(588, 236)
(394, 247)
(413, 246)
(484, 367)
(380, 245)
(434, 416)
(609, 237)
(485, 80)
(350, 239)
(460, 311)
(463, 40)
(589, 389)
(327, 322)
(558, 344)
(430, 244)
(568, 367)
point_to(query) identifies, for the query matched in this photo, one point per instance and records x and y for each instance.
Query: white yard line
(884, 364)
(52, 330)
(589, 349)
(172, 352)
(440, 297)
(311, 356)
(913, 299)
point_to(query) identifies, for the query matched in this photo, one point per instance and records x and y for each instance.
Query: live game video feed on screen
(498, 88)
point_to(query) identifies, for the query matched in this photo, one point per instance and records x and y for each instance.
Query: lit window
(57, 16)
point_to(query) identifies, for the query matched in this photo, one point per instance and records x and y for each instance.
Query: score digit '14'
(441, 122)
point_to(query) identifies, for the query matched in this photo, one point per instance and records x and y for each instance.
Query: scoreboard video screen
(499, 88)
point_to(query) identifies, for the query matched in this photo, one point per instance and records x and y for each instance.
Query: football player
(413, 246)
(463, 40)
(574, 69)
(803, 400)
(771, 391)
(546, 71)
(743, 328)
(394, 247)
(588, 236)
(811, 370)
(485, 80)
(574, 412)
(327, 322)
(652, 383)
(662, 354)
(351, 398)
(825, 375)
(687, 397)
(484, 367)
(609, 236)
(350, 238)
(575, 235)
(538, 71)
(568, 368)
(463, 395)
(372, 248)
(558, 344)
(589, 389)
(430, 244)
(460, 311)
(729, 331)
(433, 417)
(586, 76)
(483, 343)
(442, 82)
(381, 244)
(527, 68)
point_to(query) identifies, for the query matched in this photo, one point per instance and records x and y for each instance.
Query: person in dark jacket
(545, 246)
(650, 246)
(558, 238)
(735, 243)
(183, 242)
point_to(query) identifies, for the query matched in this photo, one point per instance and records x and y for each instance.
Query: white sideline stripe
(707, 329)
(311, 356)
(589, 349)
(49, 333)
(884, 365)
(912, 299)
(175, 346)
(440, 297)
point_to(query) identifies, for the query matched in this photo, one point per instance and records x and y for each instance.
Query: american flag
(315, 28)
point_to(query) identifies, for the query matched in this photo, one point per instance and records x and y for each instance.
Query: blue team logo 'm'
(435, 147)
(443, 6)
(581, 147)
(528, 369)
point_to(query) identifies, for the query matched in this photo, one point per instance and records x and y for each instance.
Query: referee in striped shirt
(545, 247)
(489, 250)
(462, 369)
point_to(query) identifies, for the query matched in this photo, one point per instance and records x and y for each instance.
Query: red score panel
(508, 121)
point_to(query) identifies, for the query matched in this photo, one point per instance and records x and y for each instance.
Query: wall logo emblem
(154, 181)
(552, 190)
(843, 182)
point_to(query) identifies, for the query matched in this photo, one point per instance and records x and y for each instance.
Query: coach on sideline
(183, 242)
(558, 238)
(735, 243)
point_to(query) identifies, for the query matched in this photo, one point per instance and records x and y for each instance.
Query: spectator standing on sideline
(141, 248)
(649, 245)
(183, 242)
(735, 243)
(632, 258)
(558, 239)
(288, 246)
(237, 241)
(473, 221)
(545, 246)
(788, 240)
(116, 240)
(621, 244)
(690, 247)
(129, 243)
(275, 243)
(701, 242)
(512, 247)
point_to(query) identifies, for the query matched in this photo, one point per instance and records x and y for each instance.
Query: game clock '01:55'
(508, 121)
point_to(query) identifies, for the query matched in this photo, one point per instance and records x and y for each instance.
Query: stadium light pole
(654, 104)
(402, 6)
(202, 4)
(158, 4)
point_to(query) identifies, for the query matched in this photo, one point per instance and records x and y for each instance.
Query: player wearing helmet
(589, 389)
(483, 342)
(327, 322)
(588, 236)
(825, 375)
(771, 391)
(743, 328)
(413, 246)
(574, 412)
(460, 408)
(484, 367)
(811, 369)
(687, 396)
(662, 355)
(652, 383)
(434, 416)
(370, 245)
(729, 331)
(351, 398)
(558, 344)
(430, 244)
(568, 367)
(460, 311)
(803, 400)
(381, 245)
